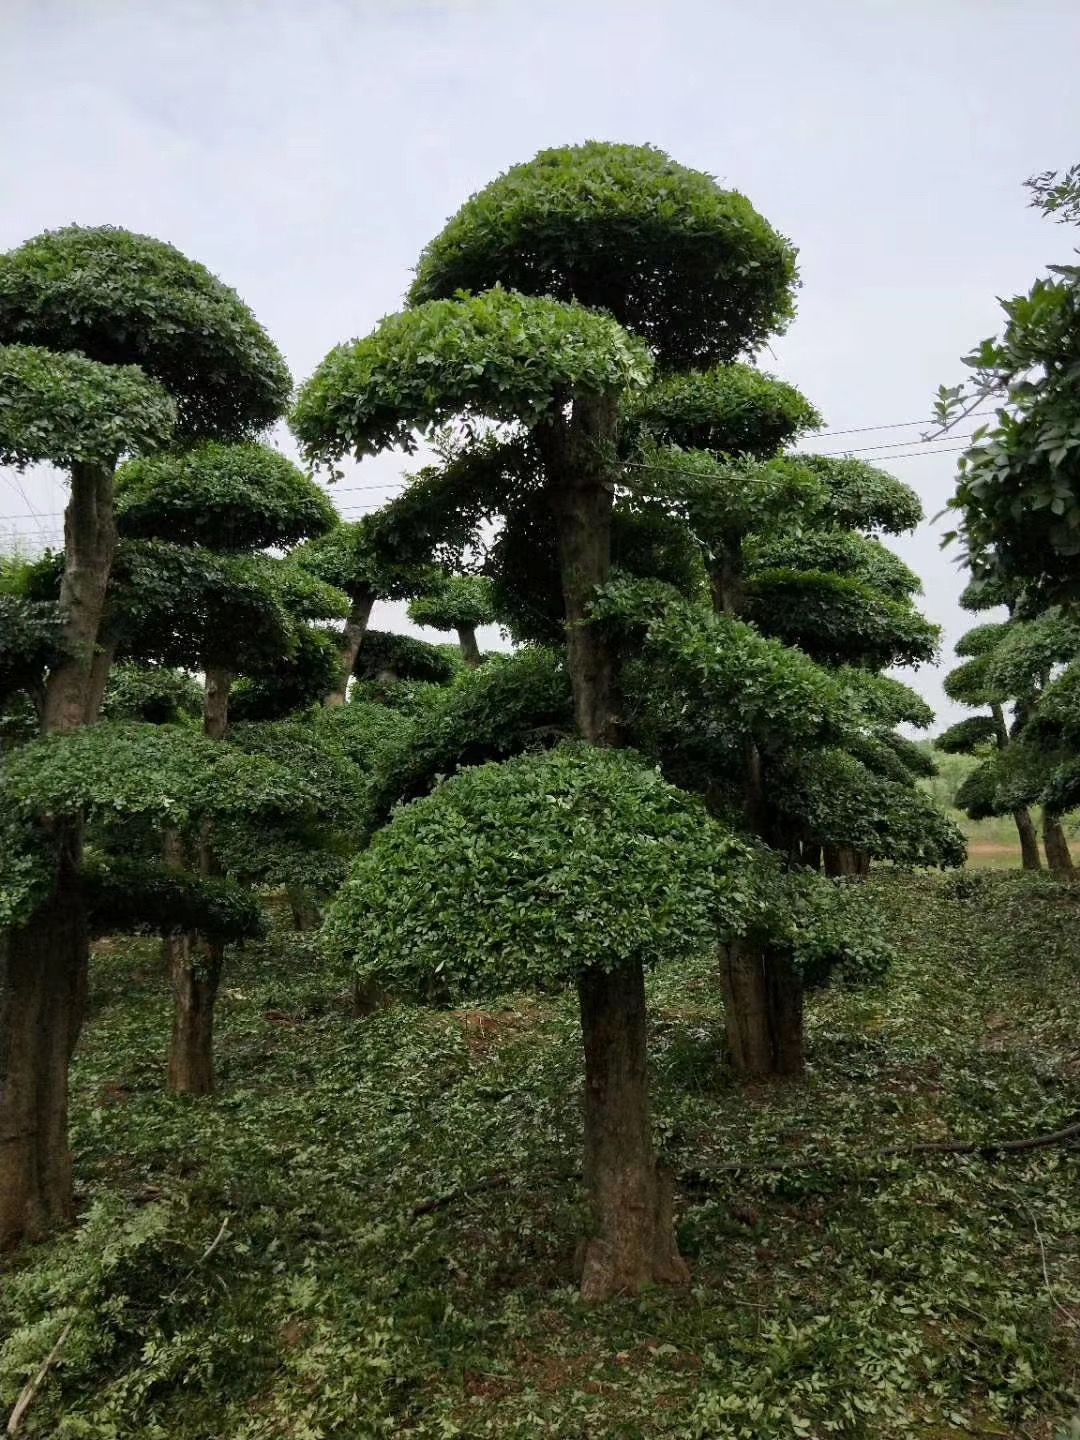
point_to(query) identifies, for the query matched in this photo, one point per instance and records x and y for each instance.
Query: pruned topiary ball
(689, 266)
(528, 872)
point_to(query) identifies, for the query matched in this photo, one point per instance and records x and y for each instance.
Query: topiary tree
(1009, 665)
(691, 268)
(209, 599)
(594, 870)
(787, 543)
(110, 343)
(640, 254)
(978, 733)
(115, 780)
(388, 658)
(460, 603)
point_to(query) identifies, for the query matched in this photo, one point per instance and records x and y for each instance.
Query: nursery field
(369, 1231)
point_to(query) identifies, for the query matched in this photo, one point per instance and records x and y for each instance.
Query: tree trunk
(763, 1011)
(89, 544)
(785, 1001)
(216, 701)
(44, 1006)
(470, 650)
(582, 496)
(355, 630)
(302, 907)
(1029, 840)
(746, 1009)
(1058, 855)
(195, 978)
(811, 856)
(47, 958)
(842, 860)
(727, 577)
(631, 1199)
(104, 655)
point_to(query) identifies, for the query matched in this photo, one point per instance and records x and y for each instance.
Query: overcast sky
(306, 149)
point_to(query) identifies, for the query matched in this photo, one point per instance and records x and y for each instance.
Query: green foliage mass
(691, 268)
(840, 552)
(122, 300)
(170, 774)
(885, 700)
(729, 410)
(523, 563)
(68, 410)
(227, 497)
(967, 735)
(1029, 650)
(406, 657)
(31, 640)
(436, 518)
(309, 849)
(860, 496)
(499, 356)
(828, 928)
(127, 897)
(1018, 490)
(454, 600)
(359, 730)
(153, 693)
(832, 797)
(290, 682)
(706, 683)
(184, 606)
(512, 703)
(125, 780)
(722, 500)
(839, 620)
(528, 872)
(979, 639)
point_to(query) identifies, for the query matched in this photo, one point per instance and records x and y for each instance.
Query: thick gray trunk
(634, 1235)
(195, 977)
(582, 496)
(44, 1005)
(352, 638)
(89, 545)
(1058, 856)
(763, 1011)
(470, 650)
(216, 701)
(1029, 840)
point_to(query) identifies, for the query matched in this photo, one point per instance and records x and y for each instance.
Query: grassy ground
(371, 1231)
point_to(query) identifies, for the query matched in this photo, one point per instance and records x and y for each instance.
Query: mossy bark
(196, 976)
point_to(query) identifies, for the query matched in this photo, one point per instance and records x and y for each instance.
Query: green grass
(371, 1231)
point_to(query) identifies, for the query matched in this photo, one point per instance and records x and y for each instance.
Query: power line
(893, 425)
(396, 487)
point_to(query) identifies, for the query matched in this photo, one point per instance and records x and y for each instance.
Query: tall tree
(110, 341)
(585, 259)
(461, 603)
(209, 599)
